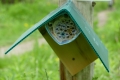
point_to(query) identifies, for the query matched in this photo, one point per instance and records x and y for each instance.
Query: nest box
(71, 38)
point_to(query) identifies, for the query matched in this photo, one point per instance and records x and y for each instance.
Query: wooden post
(86, 9)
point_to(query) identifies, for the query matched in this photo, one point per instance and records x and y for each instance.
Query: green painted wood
(70, 9)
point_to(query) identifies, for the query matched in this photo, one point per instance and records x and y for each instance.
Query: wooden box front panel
(75, 56)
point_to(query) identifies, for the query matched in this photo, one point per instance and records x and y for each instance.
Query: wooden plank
(75, 55)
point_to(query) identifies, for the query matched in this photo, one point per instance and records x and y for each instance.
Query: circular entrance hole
(73, 59)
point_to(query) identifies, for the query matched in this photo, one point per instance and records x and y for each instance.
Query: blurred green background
(41, 63)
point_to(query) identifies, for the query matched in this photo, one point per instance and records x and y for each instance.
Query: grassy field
(39, 64)
(17, 18)
(42, 63)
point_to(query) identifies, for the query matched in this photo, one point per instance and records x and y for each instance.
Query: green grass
(39, 64)
(17, 18)
(35, 64)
